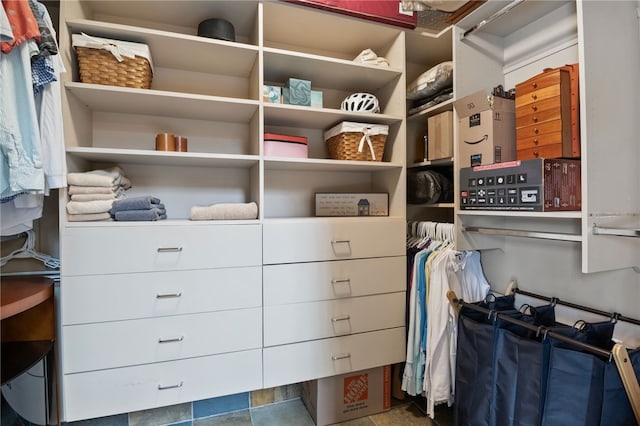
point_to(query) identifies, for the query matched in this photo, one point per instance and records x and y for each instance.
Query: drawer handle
(535, 119)
(536, 130)
(341, 318)
(169, 249)
(340, 241)
(534, 97)
(343, 280)
(341, 356)
(535, 154)
(534, 107)
(168, 295)
(535, 141)
(535, 85)
(163, 387)
(171, 339)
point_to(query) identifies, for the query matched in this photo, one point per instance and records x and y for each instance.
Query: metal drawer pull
(340, 241)
(161, 387)
(168, 295)
(169, 249)
(341, 318)
(344, 280)
(170, 340)
(342, 356)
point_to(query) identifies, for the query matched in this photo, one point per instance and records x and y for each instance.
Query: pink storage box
(276, 145)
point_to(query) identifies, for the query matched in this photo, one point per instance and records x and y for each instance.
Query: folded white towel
(89, 217)
(94, 197)
(225, 211)
(75, 189)
(84, 207)
(101, 177)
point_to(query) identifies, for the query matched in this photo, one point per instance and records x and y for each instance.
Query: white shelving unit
(211, 92)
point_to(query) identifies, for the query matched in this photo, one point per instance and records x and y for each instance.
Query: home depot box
(440, 136)
(348, 396)
(352, 204)
(525, 185)
(486, 130)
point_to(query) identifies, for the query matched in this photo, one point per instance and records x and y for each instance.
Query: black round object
(217, 28)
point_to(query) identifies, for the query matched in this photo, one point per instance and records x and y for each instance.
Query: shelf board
(167, 222)
(318, 118)
(432, 206)
(436, 109)
(427, 163)
(326, 72)
(141, 156)
(325, 165)
(168, 104)
(505, 213)
(179, 51)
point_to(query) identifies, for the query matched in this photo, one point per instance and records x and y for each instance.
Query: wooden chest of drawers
(547, 121)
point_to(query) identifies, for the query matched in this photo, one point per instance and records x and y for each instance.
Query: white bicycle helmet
(360, 102)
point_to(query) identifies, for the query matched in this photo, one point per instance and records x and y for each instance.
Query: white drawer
(124, 343)
(122, 390)
(306, 282)
(283, 324)
(121, 249)
(96, 298)
(328, 357)
(291, 241)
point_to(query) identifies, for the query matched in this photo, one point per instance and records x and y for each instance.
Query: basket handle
(365, 136)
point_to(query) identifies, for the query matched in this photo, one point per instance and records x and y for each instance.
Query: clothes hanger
(28, 251)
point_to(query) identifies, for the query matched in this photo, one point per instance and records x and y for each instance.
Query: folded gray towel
(141, 215)
(144, 202)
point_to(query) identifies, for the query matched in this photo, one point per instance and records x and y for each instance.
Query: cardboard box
(486, 130)
(524, 185)
(348, 396)
(277, 145)
(272, 94)
(352, 204)
(316, 98)
(440, 136)
(297, 92)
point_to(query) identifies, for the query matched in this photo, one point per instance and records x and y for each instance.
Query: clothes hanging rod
(522, 233)
(496, 15)
(579, 307)
(539, 330)
(618, 232)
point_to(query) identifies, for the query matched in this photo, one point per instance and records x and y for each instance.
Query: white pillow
(432, 81)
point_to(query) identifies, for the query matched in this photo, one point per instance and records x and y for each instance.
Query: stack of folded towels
(142, 208)
(92, 193)
(369, 57)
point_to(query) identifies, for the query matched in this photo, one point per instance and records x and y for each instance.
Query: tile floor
(293, 413)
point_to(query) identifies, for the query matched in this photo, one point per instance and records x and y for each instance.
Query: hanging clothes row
(31, 137)
(434, 268)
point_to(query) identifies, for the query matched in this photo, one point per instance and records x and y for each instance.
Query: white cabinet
(181, 301)
(603, 39)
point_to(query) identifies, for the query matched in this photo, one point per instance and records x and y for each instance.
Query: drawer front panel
(538, 82)
(122, 390)
(97, 298)
(332, 318)
(347, 238)
(536, 118)
(537, 95)
(539, 141)
(307, 282)
(539, 129)
(328, 357)
(125, 343)
(108, 250)
(552, 103)
(546, 151)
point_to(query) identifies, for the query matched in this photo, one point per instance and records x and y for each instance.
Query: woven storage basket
(345, 140)
(99, 66)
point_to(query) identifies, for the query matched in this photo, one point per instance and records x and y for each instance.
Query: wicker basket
(350, 141)
(98, 64)
(101, 67)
